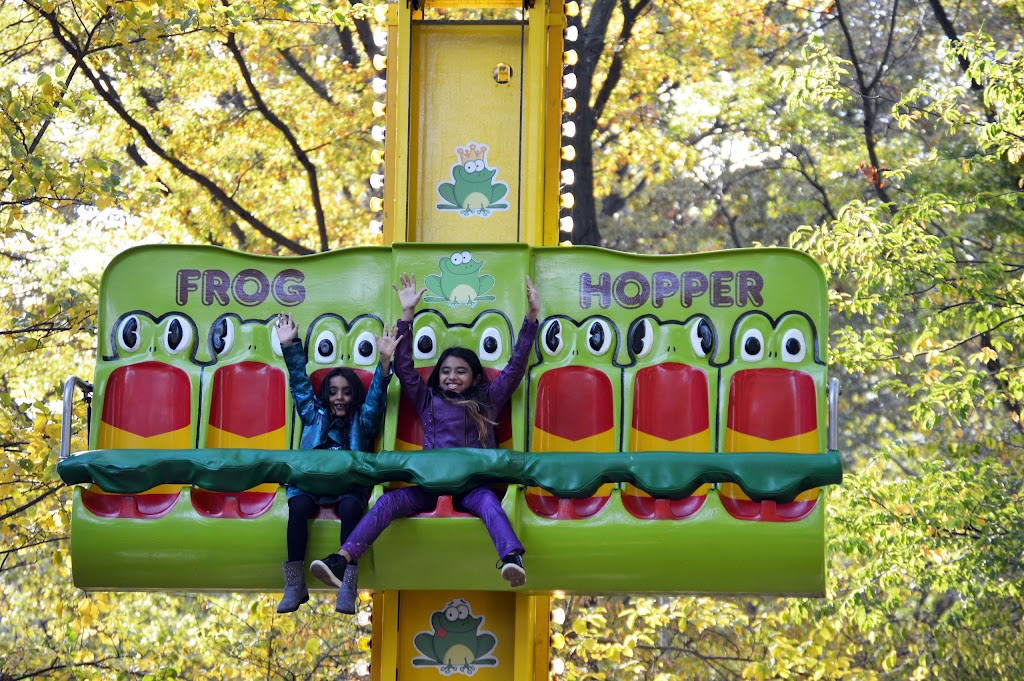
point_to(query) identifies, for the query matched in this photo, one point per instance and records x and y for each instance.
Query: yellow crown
(472, 153)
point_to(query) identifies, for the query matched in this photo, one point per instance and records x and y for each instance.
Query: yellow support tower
(484, 91)
(473, 127)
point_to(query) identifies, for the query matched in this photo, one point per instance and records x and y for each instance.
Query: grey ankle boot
(348, 591)
(295, 591)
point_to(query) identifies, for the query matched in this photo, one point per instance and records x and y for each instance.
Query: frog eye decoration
(702, 338)
(794, 346)
(641, 338)
(456, 610)
(177, 335)
(364, 351)
(275, 342)
(222, 336)
(551, 338)
(325, 349)
(465, 256)
(474, 166)
(599, 337)
(128, 334)
(752, 345)
(425, 345)
(490, 345)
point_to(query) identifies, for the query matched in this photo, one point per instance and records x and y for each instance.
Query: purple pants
(409, 501)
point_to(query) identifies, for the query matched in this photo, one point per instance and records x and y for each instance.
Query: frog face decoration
(575, 395)
(674, 392)
(460, 282)
(456, 645)
(246, 352)
(147, 402)
(489, 336)
(332, 342)
(771, 402)
(148, 397)
(473, 189)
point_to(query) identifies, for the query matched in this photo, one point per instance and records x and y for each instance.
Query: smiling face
(456, 375)
(339, 396)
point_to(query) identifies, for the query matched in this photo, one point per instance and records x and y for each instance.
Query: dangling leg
(483, 503)
(300, 509)
(350, 509)
(397, 503)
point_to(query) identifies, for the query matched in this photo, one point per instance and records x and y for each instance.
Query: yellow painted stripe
(112, 437)
(645, 442)
(807, 443)
(222, 439)
(544, 441)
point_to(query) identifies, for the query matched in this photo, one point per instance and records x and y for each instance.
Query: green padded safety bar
(673, 475)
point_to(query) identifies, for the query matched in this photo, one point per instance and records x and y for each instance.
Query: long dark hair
(474, 399)
(358, 393)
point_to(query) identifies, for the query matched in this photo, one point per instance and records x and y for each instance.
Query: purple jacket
(446, 424)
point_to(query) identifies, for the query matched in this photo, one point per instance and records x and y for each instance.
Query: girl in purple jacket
(458, 408)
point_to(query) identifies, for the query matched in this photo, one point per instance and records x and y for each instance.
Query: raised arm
(415, 389)
(377, 395)
(502, 387)
(306, 402)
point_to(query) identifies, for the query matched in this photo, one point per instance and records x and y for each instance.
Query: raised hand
(387, 342)
(408, 295)
(533, 300)
(286, 329)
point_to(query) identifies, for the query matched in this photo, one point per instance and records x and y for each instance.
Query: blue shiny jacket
(319, 429)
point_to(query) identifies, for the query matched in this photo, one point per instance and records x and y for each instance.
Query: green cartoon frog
(473, 190)
(454, 644)
(460, 281)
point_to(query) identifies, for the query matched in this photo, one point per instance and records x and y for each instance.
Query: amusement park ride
(671, 434)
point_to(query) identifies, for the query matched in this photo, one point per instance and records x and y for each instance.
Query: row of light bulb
(379, 109)
(568, 152)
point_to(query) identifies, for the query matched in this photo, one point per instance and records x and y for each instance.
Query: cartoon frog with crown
(473, 190)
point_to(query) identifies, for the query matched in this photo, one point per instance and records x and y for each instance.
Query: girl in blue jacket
(458, 408)
(338, 416)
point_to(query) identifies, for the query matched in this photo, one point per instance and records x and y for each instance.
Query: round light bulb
(569, 81)
(376, 180)
(377, 132)
(572, 34)
(567, 176)
(568, 129)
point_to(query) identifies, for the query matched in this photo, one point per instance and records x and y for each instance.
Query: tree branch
(300, 154)
(113, 101)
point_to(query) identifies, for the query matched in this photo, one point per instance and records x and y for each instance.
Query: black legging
(301, 508)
